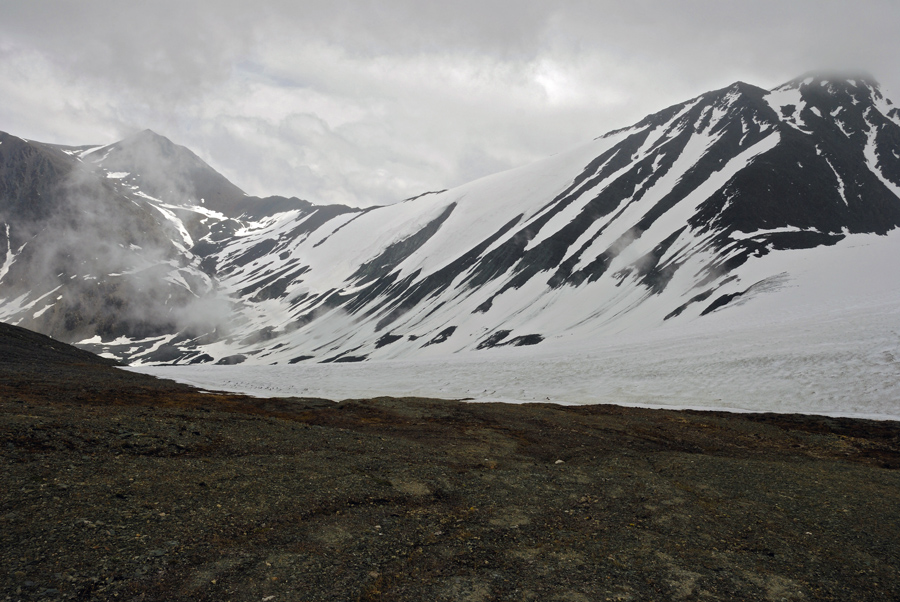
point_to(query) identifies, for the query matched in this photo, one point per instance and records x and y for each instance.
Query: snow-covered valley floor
(848, 365)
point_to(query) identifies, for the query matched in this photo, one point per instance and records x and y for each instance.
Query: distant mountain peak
(148, 139)
(168, 171)
(146, 133)
(744, 87)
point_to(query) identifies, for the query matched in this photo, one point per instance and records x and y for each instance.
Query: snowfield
(824, 338)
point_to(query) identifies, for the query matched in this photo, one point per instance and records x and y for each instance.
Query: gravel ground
(118, 486)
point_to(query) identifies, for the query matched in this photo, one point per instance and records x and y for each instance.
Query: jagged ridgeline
(142, 251)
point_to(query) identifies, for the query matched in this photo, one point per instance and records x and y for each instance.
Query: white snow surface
(821, 338)
(10, 256)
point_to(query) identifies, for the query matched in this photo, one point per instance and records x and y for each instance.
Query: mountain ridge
(648, 224)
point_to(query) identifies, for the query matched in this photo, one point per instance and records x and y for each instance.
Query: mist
(91, 260)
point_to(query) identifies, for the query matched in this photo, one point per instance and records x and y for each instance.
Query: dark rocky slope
(116, 485)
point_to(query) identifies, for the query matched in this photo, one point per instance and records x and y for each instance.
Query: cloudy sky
(371, 102)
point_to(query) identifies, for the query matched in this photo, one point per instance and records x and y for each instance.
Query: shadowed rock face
(141, 240)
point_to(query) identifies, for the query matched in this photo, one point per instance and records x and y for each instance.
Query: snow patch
(10, 256)
(839, 180)
(758, 233)
(41, 311)
(870, 153)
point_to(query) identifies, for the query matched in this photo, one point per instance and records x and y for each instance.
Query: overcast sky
(371, 102)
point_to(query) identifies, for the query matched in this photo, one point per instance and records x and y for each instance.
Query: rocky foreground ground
(118, 486)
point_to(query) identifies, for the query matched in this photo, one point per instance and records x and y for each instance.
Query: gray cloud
(369, 102)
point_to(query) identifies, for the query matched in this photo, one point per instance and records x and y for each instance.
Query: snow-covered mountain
(142, 251)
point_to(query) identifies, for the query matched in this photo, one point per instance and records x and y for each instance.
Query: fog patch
(110, 258)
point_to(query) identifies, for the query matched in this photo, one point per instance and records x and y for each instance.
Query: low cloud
(107, 265)
(368, 103)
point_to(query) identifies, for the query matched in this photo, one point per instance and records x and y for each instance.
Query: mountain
(86, 251)
(691, 212)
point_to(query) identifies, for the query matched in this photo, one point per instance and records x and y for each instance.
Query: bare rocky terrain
(119, 486)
